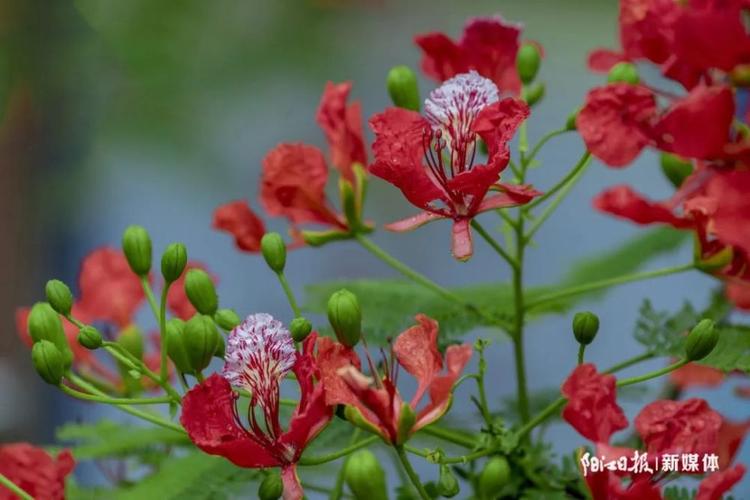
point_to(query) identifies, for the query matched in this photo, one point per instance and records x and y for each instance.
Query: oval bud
(201, 338)
(201, 292)
(136, 245)
(675, 169)
(59, 296)
(711, 263)
(131, 339)
(624, 72)
(585, 327)
(447, 485)
(494, 476)
(345, 317)
(365, 476)
(176, 345)
(89, 337)
(48, 361)
(227, 319)
(44, 323)
(403, 88)
(173, 262)
(274, 251)
(221, 347)
(300, 328)
(701, 340)
(570, 123)
(534, 93)
(528, 61)
(271, 488)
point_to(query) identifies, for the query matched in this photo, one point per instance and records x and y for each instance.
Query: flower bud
(201, 340)
(402, 87)
(701, 340)
(89, 337)
(227, 319)
(534, 93)
(345, 317)
(528, 61)
(201, 292)
(131, 339)
(320, 238)
(274, 251)
(494, 476)
(447, 485)
(271, 488)
(173, 262)
(675, 168)
(221, 347)
(711, 263)
(585, 327)
(365, 476)
(45, 324)
(48, 361)
(300, 328)
(59, 296)
(176, 351)
(624, 72)
(570, 123)
(349, 203)
(136, 245)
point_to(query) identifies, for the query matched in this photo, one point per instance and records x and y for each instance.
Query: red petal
(442, 58)
(602, 60)
(35, 471)
(491, 45)
(695, 375)
(413, 222)
(688, 426)
(731, 435)
(730, 190)
(342, 126)
(416, 350)
(461, 245)
(718, 483)
(623, 202)
(511, 195)
(240, 221)
(292, 486)
(208, 418)
(441, 388)
(614, 122)
(647, 28)
(739, 295)
(498, 122)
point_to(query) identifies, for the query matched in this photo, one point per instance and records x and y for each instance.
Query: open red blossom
(615, 122)
(177, 299)
(592, 407)
(688, 426)
(238, 219)
(431, 158)
(375, 402)
(717, 484)
(34, 471)
(730, 218)
(488, 46)
(259, 354)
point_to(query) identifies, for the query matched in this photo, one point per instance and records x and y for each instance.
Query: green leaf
(109, 439)
(733, 350)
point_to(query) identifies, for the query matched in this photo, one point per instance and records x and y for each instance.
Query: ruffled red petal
(413, 222)
(238, 219)
(441, 388)
(33, 470)
(442, 58)
(491, 44)
(695, 375)
(647, 28)
(625, 203)
(602, 60)
(688, 426)
(731, 436)
(416, 351)
(718, 483)
(342, 125)
(729, 220)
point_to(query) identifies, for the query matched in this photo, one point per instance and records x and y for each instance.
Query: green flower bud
(494, 476)
(534, 93)
(201, 292)
(300, 328)
(447, 485)
(59, 296)
(403, 88)
(44, 323)
(345, 317)
(131, 338)
(624, 72)
(675, 168)
(48, 361)
(89, 337)
(201, 340)
(136, 244)
(528, 61)
(274, 251)
(712, 263)
(365, 476)
(227, 319)
(585, 327)
(173, 262)
(271, 488)
(176, 345)
(570, 123)
(701, 340)
(221, 347)
(349, 203)
(320, 238)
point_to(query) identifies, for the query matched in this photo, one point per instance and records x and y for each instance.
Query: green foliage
(678, 493)
(538, 401)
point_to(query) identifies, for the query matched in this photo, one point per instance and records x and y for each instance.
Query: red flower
(240, 221)
(376, 403)
(342, 125)
(259, 354)
(177, 300)
(431, 158)
(647, 28)
(615, 122)
(34, 471)
(730, 218)
(488, 46)
(731, 435)
(592, 404)
(689, 426)
(623, 202)
(718, 483)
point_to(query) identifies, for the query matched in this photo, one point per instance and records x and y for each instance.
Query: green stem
(581, 351)
(545, 138)
(654, 374)
(13, 488)
(582, 163)
(127, 409)
(543, 415)
(483, 406)
(307, 461)
(164, 366)
(150, 296)
(338, 487)
(454, 460)
(413, 477)
(124, 356)
(493, 243)
(518, 326)
(597, 285)
(449, 435)
(630, 362)
(114, 401)
(289, 294)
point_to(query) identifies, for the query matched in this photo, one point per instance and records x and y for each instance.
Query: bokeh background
(153, 112)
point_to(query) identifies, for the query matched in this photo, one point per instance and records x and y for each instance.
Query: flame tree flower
(34, 471)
